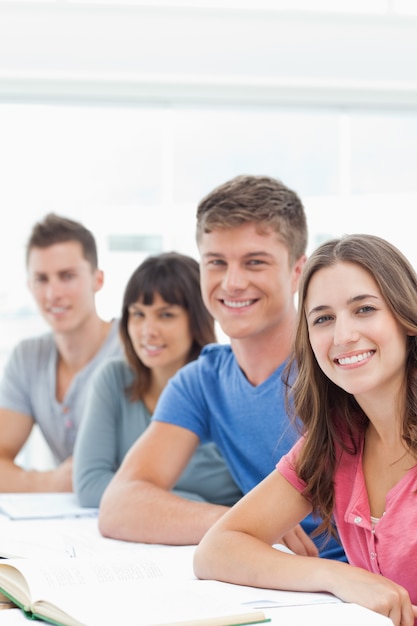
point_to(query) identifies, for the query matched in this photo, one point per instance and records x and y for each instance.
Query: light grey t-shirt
(28, 386)
(112, 423)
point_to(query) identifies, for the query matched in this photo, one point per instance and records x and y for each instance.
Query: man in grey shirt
(46, 378)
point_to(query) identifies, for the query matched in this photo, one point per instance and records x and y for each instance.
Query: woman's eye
(366, 309)
(322, 319)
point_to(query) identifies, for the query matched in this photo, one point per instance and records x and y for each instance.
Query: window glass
(383, 151)
(211, 146)
(67, 157)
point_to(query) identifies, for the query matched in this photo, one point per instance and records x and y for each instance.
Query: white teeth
(237, 305)
(354, 359)
(57, 309)
(152, 348)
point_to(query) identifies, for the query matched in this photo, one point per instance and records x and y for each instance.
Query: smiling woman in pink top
(355, 394)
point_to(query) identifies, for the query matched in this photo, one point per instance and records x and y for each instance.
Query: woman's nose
(148, 327)
(344, 331)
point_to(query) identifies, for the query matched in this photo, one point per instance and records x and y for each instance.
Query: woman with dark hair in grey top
(164, 325)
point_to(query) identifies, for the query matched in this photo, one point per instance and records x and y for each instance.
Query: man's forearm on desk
(14, 478)
(139, 511)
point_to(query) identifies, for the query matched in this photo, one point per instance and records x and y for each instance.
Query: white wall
(147, 52)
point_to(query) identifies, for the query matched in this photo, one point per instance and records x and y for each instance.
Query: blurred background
(124, 114)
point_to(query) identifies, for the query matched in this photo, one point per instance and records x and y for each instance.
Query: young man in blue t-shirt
(252, 238)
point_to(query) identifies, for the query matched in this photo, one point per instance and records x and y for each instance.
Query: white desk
(315, 615)
(38, 538)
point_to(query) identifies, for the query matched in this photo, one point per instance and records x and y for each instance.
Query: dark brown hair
(176, 278)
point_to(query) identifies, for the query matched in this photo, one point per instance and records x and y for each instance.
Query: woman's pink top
(390, 546)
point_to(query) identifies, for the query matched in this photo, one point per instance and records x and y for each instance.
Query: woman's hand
(377, 593)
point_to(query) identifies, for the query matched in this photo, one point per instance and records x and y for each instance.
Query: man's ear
(99, 280)
(297, 270)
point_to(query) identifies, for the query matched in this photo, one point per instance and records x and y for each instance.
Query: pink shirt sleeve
(286, 466)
